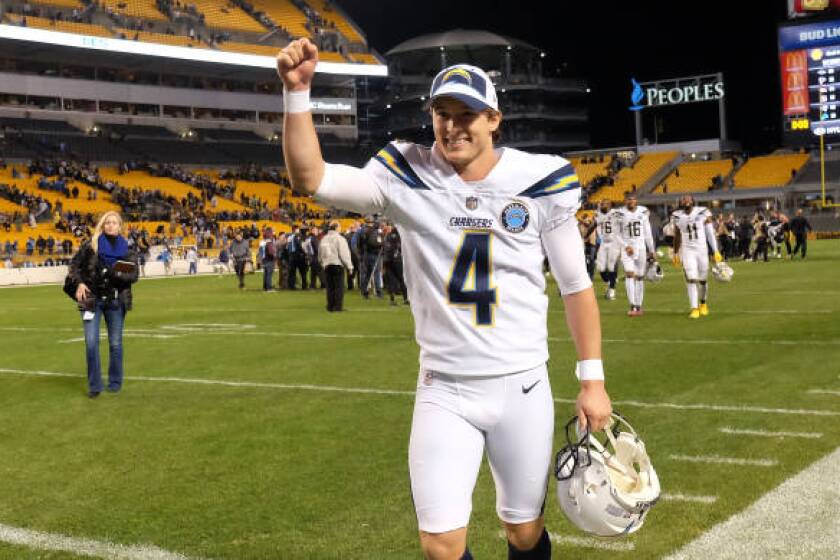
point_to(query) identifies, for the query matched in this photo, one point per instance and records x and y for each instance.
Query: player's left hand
(718, 257)
(593, 405)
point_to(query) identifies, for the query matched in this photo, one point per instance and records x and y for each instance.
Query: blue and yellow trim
(561, 180)
(395, 162)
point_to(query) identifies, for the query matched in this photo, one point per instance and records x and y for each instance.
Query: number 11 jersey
(472, 251)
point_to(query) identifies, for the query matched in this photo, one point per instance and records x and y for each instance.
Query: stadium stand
(162, 38)
(329, 14)
(329, 56)
(219, 15)
(9, 207)
(250, 48)
(631, 179)
(141, 9)
(588, 171)
(58, 25)
(167, 186)
(286, 15)
(364, 58)
(72, 4)
(695, 176)
(769, 171)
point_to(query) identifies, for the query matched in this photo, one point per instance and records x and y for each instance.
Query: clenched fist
(296, 64)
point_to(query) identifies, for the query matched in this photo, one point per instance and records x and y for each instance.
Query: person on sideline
(476, 223)
(334, 257)
(103, 271)
(240, 252)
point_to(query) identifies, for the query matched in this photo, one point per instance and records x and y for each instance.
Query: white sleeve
(354, 189)
(564, 248)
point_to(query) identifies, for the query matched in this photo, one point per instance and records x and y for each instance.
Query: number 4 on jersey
(469, 283)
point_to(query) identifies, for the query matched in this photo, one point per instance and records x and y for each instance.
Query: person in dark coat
(100, 277)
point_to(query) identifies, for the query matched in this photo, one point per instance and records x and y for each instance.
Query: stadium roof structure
(459, 38)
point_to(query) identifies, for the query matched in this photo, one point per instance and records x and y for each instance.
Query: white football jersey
(608, 226)
(692, 227)
(472, 252)
(634, 225)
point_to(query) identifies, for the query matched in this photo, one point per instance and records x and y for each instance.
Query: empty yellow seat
(769, 171)
(694, 176)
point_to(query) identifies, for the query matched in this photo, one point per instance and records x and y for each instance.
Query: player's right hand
(296, 64)
(676, 260)
(593, 406)
(629, 250)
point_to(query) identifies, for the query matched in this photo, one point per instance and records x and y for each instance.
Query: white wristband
(590, 370)
(296, 101)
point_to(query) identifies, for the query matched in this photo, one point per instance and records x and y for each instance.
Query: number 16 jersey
(472, 251)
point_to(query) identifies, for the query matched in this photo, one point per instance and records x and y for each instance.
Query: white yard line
(279, 334)
(39, 540)
(713, 459)
(586, 542)
(798, 519)
(824, 392)
(686, 498)
(762, 433)
(255, 384)
(376, 391)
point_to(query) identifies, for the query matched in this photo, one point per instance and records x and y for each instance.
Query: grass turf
(258, 472)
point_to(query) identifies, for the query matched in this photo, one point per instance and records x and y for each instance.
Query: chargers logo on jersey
(515, 217)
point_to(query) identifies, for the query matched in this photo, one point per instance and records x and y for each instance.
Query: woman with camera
(100, 279)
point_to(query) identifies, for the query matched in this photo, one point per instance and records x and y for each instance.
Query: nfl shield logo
(472, 203)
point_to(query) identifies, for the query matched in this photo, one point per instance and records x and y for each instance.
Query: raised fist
(296, 64)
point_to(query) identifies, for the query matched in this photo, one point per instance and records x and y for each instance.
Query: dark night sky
(607, 42)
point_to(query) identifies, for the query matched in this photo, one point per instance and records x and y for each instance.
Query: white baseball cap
(469, 84)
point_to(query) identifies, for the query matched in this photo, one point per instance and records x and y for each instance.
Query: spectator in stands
(800, 227)
(102, 273)
(240, 252)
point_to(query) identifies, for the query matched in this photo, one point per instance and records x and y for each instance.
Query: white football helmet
(722, 272)
(606, 492)
(654, 272)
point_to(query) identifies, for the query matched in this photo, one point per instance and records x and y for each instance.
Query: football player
(609, 249)
(694, 231)
(637, 250)
(475, 223)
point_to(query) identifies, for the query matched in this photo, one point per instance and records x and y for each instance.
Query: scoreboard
(809, 60)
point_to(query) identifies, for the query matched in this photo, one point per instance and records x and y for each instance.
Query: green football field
(256, 425)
